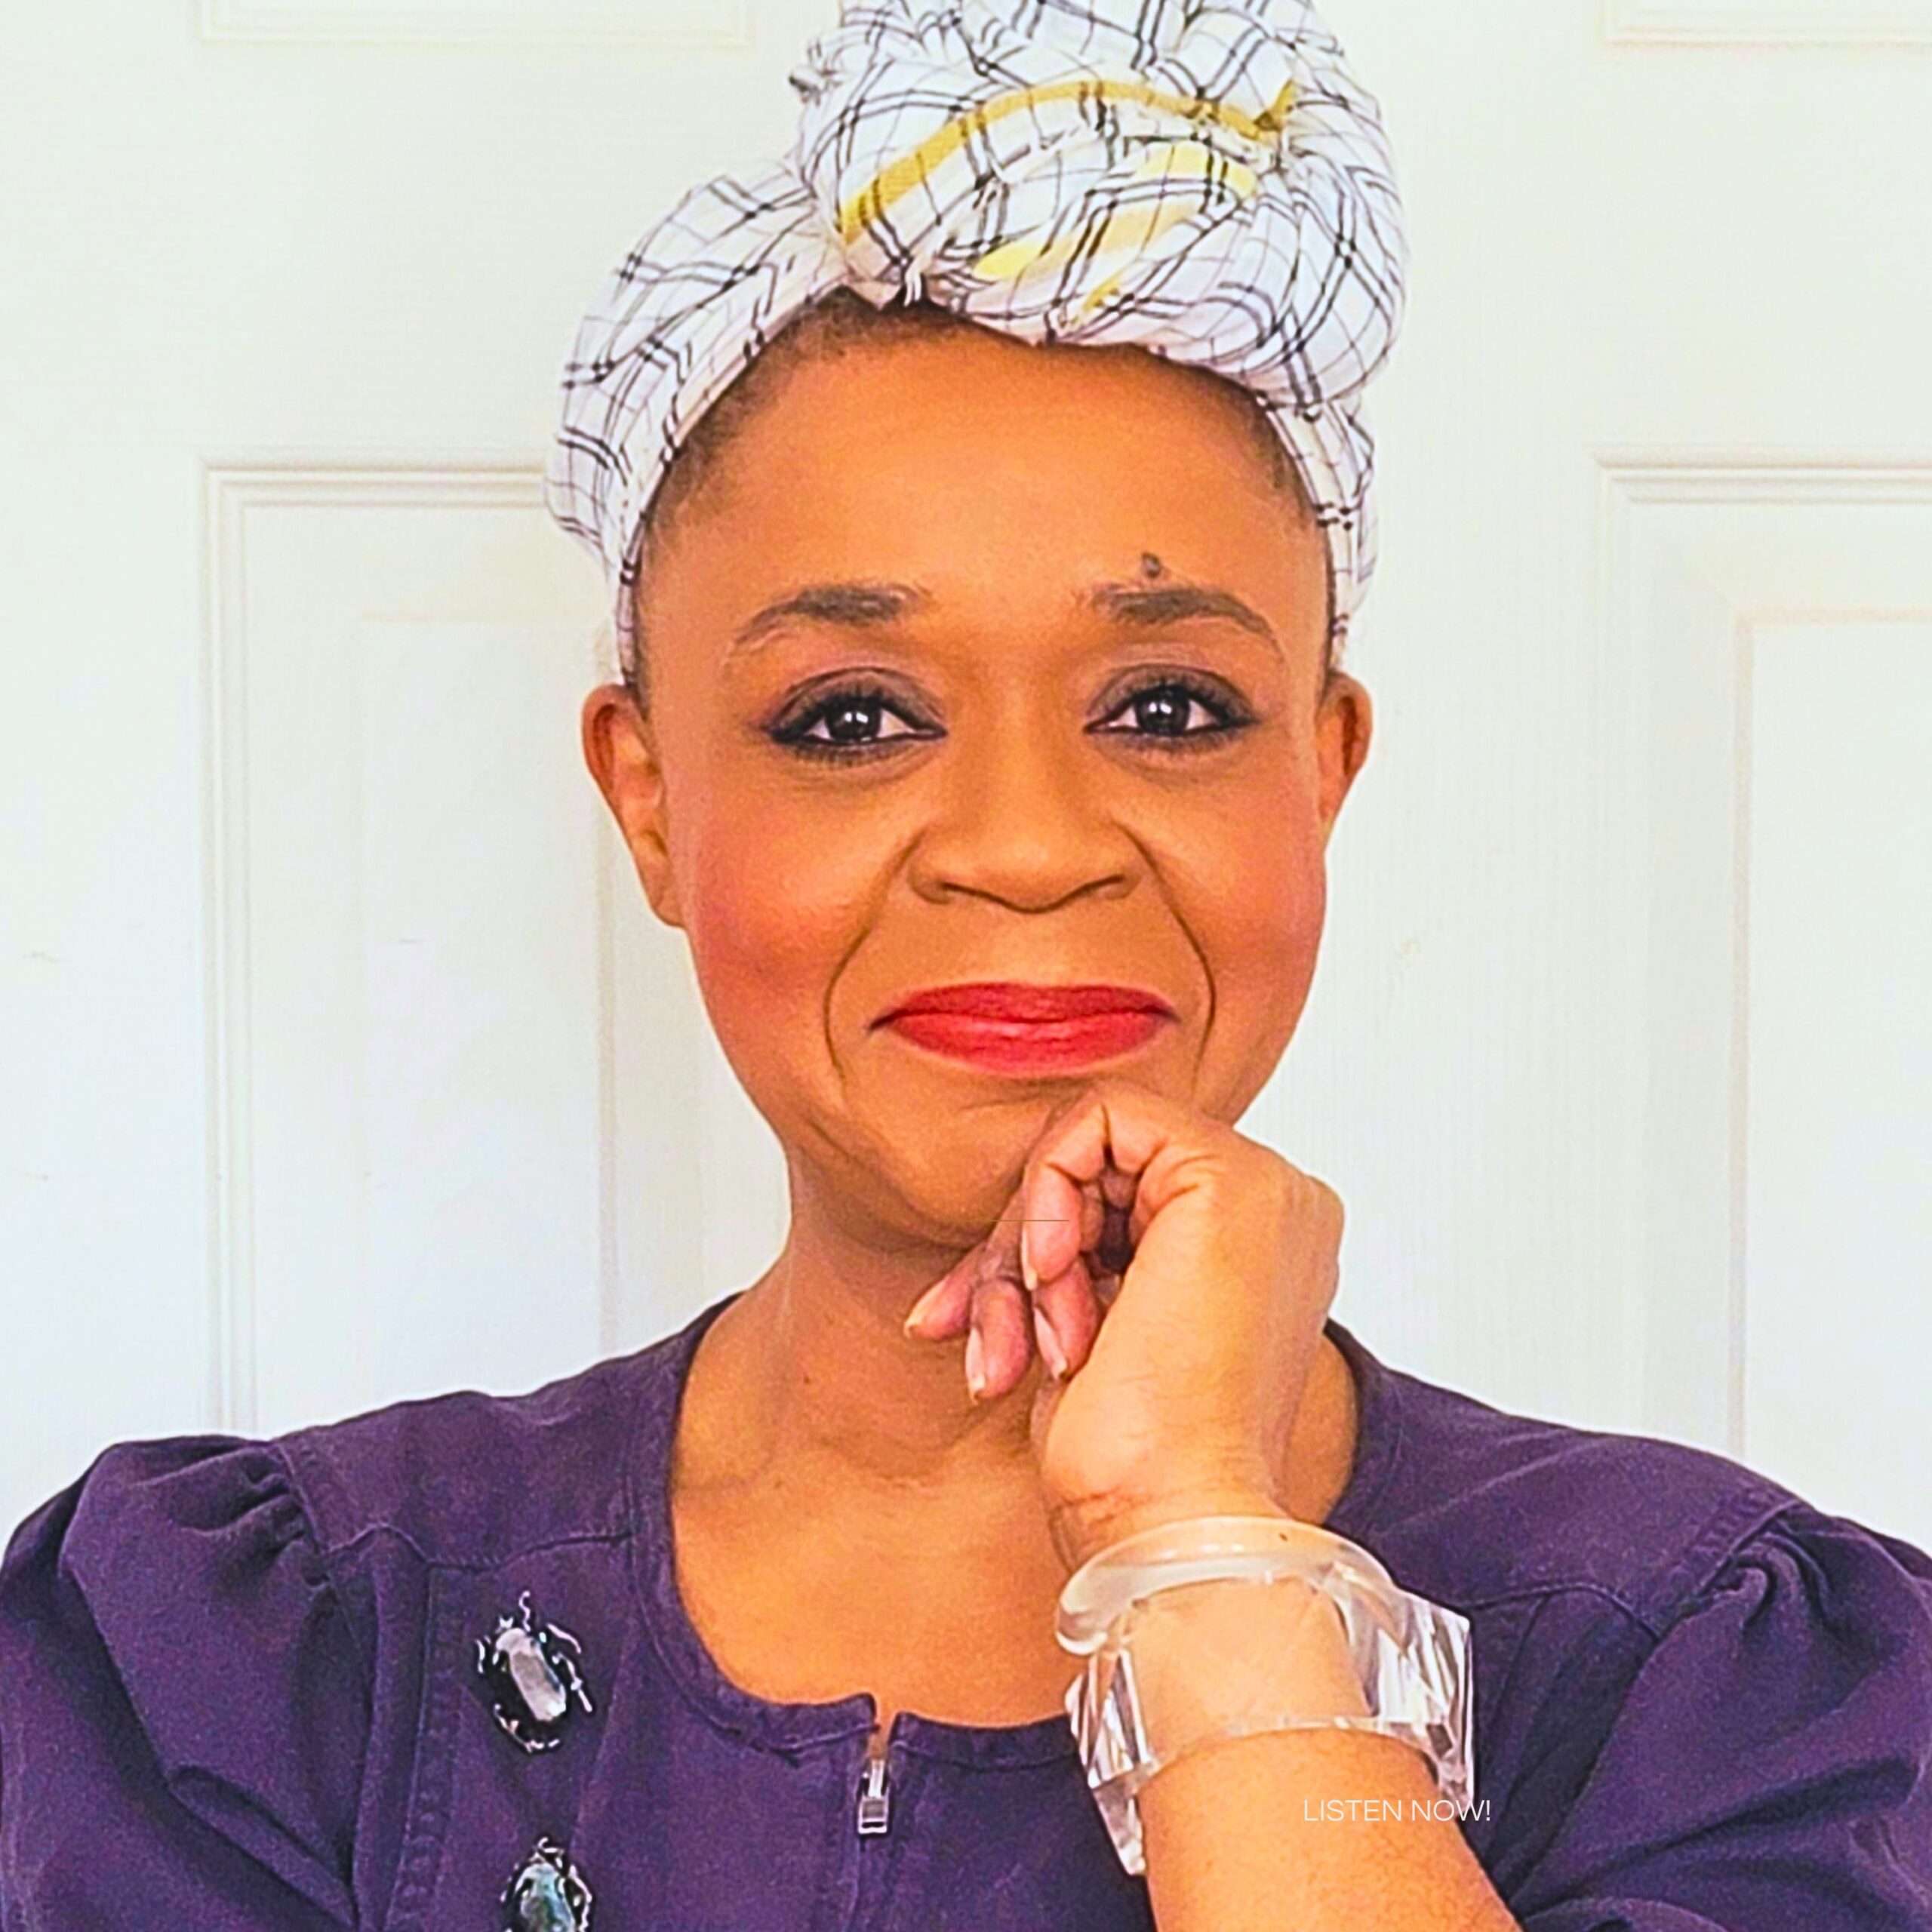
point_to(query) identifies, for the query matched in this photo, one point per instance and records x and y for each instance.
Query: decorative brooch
(547, 1893)
(531, 1670)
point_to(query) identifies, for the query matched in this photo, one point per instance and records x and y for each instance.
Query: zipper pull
(874, 1801)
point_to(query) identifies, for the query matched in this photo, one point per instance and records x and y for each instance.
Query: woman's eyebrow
(852, 604)
(855, 603)
(1150, 606)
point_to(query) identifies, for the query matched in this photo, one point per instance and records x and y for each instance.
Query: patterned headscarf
(1203, 178)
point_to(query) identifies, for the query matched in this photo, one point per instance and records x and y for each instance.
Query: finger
(944, 1310)
(1066, 1317)
(1054, 1229)
(1064, 1314)
(1093, 1212)
(1085, 1166)
(1065, 1201)
(1000, 1346)
(1002, 1245)
(999, 1341)
(1135, 1145)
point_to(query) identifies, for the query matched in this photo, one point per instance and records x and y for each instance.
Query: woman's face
(1047, 707)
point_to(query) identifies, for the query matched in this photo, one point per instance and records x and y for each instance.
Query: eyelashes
(843, 711)
(849, 721)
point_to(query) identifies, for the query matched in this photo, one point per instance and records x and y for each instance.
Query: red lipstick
(1008, 1026)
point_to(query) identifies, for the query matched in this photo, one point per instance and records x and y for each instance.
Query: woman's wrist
(1204, 1651)
(1212, 1659)
(1082, 1532)
(1214, 1615)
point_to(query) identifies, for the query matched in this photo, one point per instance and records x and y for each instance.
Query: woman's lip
(1030, 1046)
(1017, 1002)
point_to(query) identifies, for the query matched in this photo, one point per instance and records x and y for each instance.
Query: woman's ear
(620, 747)
(1344, 719)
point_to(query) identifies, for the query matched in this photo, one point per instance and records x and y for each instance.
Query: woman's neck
(809, 1383)
(822, 1458)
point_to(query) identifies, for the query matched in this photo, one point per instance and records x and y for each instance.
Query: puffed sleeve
(1771, 1764)
(183, 1708)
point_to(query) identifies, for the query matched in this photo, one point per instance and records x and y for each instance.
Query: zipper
(874, 1801)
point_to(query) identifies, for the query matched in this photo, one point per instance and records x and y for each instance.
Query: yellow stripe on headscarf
(1133, 228)
(910, 170)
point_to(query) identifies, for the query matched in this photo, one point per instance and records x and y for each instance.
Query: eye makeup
(847, 717)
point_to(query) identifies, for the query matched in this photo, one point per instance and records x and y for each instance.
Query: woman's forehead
(936, 402)
(974, 467)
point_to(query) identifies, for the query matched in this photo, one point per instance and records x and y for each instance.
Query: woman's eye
(1171, 708)
(847, 721)
(855, 720)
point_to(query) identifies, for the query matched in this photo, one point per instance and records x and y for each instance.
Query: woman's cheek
(1263, 934)
(769, 916)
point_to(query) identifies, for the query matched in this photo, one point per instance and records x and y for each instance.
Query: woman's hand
(1174, 1276)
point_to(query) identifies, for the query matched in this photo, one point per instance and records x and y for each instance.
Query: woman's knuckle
(1280, 1179)
(1326, 1206)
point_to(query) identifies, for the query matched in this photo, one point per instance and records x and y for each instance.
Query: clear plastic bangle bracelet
(1169, 1668)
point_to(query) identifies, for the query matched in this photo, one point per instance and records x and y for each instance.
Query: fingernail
(1050, 1348)
(920, 1307)
(976, 1365)
(1026, 1269)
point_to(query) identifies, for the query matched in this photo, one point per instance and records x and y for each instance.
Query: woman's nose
(1023, 817)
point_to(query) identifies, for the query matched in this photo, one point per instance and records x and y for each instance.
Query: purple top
(239, 1690)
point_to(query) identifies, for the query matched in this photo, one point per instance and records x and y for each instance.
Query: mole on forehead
(1151, 565)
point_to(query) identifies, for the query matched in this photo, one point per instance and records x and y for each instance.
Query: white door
(341, 1059)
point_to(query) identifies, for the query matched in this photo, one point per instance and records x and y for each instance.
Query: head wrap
(1203, 178)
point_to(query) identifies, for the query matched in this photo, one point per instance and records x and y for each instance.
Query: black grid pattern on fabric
(1098, 171)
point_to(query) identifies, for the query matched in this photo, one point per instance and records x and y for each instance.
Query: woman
(982, 725)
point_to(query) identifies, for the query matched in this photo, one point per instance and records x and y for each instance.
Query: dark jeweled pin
(531, 1670)
(547, 1894)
